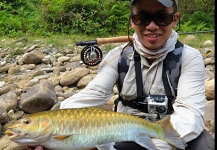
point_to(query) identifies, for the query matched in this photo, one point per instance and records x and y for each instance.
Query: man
(154, 37)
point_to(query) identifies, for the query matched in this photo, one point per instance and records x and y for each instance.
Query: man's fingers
(39, 148)
(28, 147)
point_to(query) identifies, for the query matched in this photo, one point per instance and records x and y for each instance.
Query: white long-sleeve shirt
(189, 105)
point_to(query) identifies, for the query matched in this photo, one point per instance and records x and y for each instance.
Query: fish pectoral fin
(61, 137)
(108, 146)
(146, 142)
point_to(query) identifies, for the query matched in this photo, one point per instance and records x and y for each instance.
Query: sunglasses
(160, 19)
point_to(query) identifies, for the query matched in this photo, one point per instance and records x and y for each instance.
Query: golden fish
(88, 128)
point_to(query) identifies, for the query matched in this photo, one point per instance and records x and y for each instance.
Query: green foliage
(20, 17)
(197, 15)
(16, 52)
(97, 17)
(92, 17)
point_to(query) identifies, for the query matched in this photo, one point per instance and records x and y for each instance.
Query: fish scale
(88, 128)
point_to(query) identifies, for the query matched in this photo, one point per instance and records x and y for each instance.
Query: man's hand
(37, 148)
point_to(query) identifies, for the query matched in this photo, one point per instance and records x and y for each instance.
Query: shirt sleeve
(189, 106)
(100, 89)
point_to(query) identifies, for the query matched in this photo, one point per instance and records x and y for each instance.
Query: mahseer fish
(88, 128)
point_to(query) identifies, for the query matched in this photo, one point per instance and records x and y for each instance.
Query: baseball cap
(166, 3)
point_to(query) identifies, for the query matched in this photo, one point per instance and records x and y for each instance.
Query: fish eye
(27, 121)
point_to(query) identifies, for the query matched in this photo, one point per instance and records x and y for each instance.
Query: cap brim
(166, 3)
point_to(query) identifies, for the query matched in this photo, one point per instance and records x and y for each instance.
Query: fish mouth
(13, 134)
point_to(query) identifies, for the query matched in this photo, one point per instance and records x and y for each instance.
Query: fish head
(30, 130)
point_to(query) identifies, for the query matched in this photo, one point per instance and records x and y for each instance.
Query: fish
(89, 128)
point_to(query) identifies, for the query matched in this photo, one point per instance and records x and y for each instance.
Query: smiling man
(145, 88)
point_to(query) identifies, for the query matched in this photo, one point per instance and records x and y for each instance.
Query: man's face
(153, 35)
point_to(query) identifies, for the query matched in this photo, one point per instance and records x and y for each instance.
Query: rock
(209, 61)
(40, 97)
(209, 75)
(31, 83)
(3, 115)
(34, 57)
(6, 68)
(70, 77)
(189, 38)
(209, 117)
(7, 88)
(60, 69)
(58, 88)
(2, 84)
(73, 65)
(208, 43)
(6, 144)
(63, 59)
(13, 70)
(85, 80)
(210, 89)
(37, 73)
(54, 78)
(33, 47)
(209, 110)
(8, 101)
(28, 67)
(15, 115)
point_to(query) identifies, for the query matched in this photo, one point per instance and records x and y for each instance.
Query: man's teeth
(152, 36)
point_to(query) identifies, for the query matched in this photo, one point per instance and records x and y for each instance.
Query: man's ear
(176, 19)
(132, 24)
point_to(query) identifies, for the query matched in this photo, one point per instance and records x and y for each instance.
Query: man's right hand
(36, 148)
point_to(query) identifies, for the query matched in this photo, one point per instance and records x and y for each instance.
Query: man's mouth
(152, 35)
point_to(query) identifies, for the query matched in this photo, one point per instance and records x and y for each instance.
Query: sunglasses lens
(159, 19)
(163, 19)
(140, 19)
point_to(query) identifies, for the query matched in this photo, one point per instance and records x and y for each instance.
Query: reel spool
(91, 55)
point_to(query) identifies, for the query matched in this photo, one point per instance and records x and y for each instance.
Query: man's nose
(152, 26)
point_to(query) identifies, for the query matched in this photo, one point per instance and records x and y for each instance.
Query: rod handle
(113, 40)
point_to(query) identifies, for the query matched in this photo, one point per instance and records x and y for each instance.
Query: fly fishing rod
(91, 54)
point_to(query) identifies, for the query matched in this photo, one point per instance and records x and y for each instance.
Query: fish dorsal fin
(61, 137)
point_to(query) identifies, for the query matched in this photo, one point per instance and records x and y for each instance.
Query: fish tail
(170, 134)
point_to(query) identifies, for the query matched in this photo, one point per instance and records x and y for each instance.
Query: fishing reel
(91, 54)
